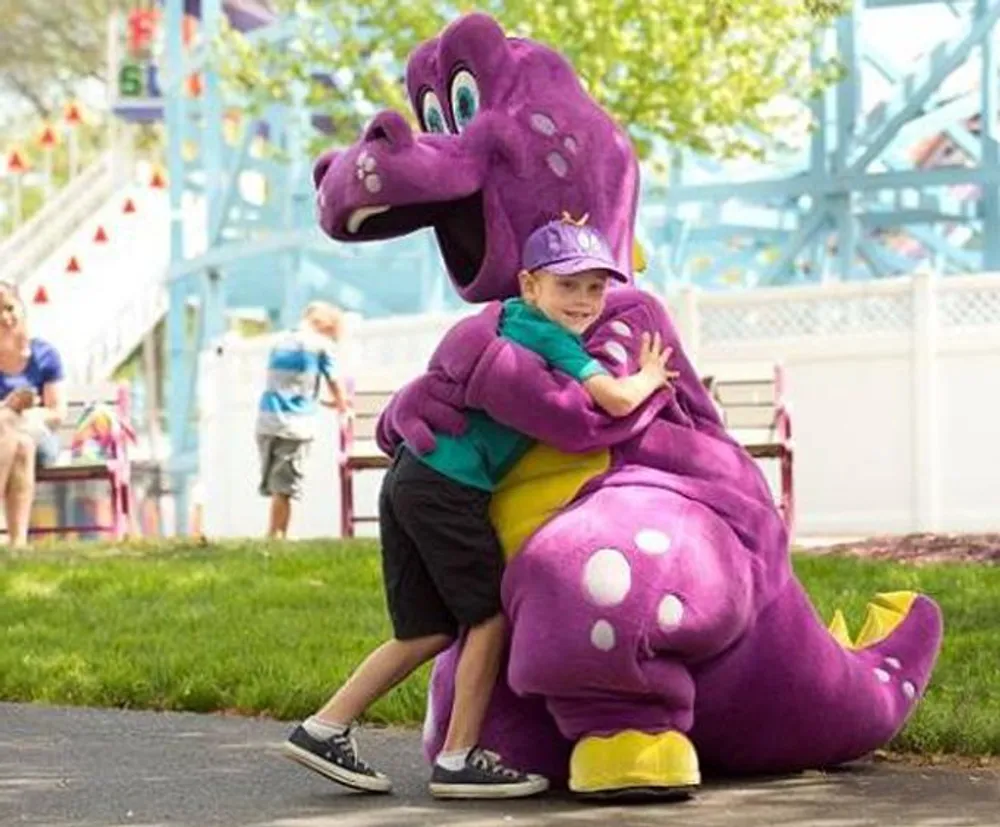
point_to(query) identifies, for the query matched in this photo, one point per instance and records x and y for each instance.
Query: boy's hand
(346, 413)
(653, 357)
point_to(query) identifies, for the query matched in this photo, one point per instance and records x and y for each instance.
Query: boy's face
(573, 301)
(326, 326)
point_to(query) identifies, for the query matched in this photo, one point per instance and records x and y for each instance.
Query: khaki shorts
(281, 462)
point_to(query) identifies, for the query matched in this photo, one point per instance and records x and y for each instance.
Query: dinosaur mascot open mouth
(657, 627)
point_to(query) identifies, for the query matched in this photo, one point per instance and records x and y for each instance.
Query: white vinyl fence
(894, 389)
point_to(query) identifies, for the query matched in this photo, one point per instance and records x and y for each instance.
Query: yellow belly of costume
(543, 483)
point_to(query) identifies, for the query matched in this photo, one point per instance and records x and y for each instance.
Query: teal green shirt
(488, 450)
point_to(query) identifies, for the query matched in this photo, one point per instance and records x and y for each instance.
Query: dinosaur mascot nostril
(657, 627)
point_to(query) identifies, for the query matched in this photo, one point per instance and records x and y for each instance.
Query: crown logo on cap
(566, 218)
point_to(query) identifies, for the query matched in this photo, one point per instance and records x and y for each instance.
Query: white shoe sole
(483, 791)
(350, 779)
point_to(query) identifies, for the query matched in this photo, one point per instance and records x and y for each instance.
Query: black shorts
(441, 559)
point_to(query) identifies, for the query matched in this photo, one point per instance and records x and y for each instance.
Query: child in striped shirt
(300, 362)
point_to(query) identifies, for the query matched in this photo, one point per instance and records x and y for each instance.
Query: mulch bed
(919, 549)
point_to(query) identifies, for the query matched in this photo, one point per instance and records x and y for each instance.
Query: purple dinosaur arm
(427, 404)
(515, 388)
(434, 401)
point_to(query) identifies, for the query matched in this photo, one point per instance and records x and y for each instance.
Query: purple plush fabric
(663, 596)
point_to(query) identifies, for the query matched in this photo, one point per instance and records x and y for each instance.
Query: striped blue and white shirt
(298, 361)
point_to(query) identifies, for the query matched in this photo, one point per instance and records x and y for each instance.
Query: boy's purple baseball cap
(564, 248)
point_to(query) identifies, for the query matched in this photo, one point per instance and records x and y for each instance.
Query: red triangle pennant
(48, 139)
(100, 236)
(73, 266)
(16, 162)
(129, 206)
(41, 295)
(158, 180)
(73, 116)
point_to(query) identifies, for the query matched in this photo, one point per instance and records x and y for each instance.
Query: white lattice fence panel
(966, 306)
(782, 318)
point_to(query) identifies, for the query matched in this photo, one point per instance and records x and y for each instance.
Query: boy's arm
(327, 368)
(617, 396)
(622, 395)
(339, 393)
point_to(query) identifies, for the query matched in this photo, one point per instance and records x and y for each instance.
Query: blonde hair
(325, 318)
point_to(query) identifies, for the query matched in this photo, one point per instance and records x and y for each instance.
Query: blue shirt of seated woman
(43, 366)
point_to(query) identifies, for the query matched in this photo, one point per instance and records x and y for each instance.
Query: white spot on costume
(652, 541)
(558, 164)
(543, 124)
(602, 635)
(670, 612)
(616, 350)
(607, 577)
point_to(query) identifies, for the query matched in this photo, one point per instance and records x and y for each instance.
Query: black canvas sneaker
(484, 776)
(335, 758)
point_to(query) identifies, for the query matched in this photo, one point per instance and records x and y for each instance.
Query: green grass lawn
(237, 626)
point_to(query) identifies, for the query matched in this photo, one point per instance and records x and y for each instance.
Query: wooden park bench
(115, 471)
(749, 399)
(359, 451)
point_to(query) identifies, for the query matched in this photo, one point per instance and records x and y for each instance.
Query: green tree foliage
(695, 73)
(47, 47)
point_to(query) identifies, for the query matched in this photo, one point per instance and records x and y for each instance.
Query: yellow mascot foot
(634, 763)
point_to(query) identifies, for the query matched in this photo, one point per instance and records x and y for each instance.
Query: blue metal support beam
(962, 260)
(213, 309)
(911, 101)
(988, 136)
(807, 185)
(870, 254)
(177, 398)
(818, 146)
(812, 223)
(931, 122)
(841, 204)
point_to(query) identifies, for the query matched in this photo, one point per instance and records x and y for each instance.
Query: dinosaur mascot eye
(464, 98)
(432, 113)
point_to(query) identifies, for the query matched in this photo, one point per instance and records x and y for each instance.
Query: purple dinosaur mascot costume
(657, 627)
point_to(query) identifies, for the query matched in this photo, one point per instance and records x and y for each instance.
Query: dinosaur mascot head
(509, 139)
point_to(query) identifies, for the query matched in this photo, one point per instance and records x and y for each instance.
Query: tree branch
(29, 94)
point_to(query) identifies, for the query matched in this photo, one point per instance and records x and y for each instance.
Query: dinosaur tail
(804, 696)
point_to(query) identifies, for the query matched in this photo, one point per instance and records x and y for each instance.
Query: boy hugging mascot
(657, 628)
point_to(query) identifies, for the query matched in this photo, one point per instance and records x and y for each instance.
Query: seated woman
(31, 407)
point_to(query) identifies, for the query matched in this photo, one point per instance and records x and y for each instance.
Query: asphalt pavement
(72, 767)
